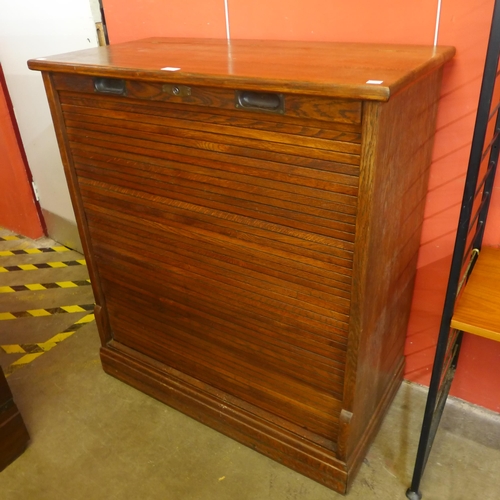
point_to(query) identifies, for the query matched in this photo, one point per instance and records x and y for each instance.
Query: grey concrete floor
(93, 437)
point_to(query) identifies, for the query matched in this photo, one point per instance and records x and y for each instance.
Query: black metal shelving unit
(474, 211)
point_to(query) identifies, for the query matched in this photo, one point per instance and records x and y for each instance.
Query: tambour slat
(267, 329)
(212, 141)
(209, 256)
(321, 272)
(263, 343)
(248, 305)
(344, 183)
(318, 414)
(259, 208)
(318, 202)
(195, 284)
(341, 206)
(250, 186)
(259, 349)
(319, 279)
(166, 329)
(314, 173)
(270, 238)
(188, 128)
(217, 302)
(234, 276)
(304, 127)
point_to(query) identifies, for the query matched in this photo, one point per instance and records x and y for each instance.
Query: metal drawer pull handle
(258, 101)
(110, 86)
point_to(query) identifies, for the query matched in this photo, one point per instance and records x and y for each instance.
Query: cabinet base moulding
(242, 421)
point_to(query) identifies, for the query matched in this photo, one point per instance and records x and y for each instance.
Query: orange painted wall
(18, 211)
(464, 24)
(134, 19)
(382, 21)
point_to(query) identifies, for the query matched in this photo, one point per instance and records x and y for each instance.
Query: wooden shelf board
(477, 310)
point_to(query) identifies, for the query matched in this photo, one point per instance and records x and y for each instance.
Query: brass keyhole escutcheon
(176, 90)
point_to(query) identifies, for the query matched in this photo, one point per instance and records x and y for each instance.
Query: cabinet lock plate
(176, 90)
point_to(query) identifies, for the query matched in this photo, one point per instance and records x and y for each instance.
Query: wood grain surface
(477, 310)
(321, 68)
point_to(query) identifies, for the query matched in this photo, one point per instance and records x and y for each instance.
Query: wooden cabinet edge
(67, 161)
(354, 459)
(353, 424)
(348, 90)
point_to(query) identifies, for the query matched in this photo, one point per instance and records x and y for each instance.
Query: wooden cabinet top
(360, 71)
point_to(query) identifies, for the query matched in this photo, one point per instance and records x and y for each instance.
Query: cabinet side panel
(396, 156)
(74, 191)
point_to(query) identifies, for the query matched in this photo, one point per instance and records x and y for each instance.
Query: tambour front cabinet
(251, 214)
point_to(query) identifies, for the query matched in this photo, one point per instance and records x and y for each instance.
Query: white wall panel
(37, 28)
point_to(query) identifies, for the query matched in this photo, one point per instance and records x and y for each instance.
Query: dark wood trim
(14, 436)
(74, 191)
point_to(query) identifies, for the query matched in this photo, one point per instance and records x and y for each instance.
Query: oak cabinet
(251, 217)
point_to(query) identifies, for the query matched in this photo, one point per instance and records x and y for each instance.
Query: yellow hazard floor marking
(55, 249)
(33, 251)
(43, 265)
(66, 284)
(72, 309)
(38, 312)
(56, 264)
(86, 319)
(44, 286)
(63, 336)
(39, 347)
(30, 352)
(27, 267)
(46, 346)
(46, 312)
(27, 358)
(6, 316)
(35, 286)
(13, 349)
